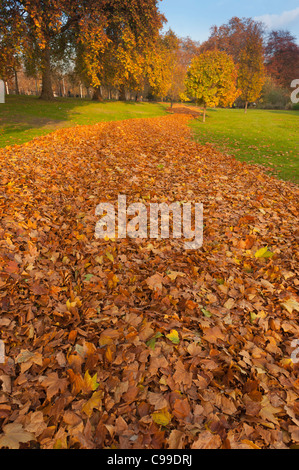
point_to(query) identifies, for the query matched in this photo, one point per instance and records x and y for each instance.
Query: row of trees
(265, 64)
(105, 41)
(117, 47)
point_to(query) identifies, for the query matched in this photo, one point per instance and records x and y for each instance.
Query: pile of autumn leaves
(138, 343)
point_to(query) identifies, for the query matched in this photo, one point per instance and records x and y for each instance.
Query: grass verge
(267, 138)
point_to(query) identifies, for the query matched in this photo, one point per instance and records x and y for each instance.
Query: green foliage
(274, 96)
(211, 79)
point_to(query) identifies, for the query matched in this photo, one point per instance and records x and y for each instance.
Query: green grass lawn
(23, 117)
(268, 138)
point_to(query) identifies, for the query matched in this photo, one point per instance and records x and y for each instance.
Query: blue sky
(195, 17)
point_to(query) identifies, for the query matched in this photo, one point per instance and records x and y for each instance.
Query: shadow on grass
(25, 117)
(291, 112)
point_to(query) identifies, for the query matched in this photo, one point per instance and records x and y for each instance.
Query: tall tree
(131, 31)
(233, 36)
(211, 80)
(46, 29)
(9, 46)
(282, 57)
(184, 51)
(51, 28)
(251, 70)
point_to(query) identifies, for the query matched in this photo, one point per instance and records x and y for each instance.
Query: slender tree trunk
(246, 107)
(6, 87)
(16, 83)
(47, 90)
(204, 114)
(122, 94)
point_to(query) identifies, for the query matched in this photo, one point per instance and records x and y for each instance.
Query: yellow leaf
(290, 305)
(162, 417)
(263, 253)
(95, 402)
(90, 382)
(173, 336)
(110, 256)
(109, 355)
(250, 444)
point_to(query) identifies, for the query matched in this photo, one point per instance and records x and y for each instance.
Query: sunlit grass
(268, 138)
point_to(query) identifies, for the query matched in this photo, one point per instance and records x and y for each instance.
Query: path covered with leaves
(139, 343)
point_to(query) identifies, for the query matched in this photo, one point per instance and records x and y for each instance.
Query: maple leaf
(229, 304)
(181, 375)
(152, 342)
(83, 385)
(95, 402)
(90, 383)
(53, 385)
(268, 411)
(14, 434)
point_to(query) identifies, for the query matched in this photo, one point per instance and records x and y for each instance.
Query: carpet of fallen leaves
(138, 343)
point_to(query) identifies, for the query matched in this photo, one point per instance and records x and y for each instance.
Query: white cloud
(279, 21)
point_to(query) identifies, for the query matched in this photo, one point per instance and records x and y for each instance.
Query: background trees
(103, 36)
(243, 40)
(117, 49)
(251, 70)
(282, 57)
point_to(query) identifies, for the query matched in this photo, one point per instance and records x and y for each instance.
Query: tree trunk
(246, 107)
(97, 94)
(47, 90)
(204, 114)
(122, 94)
(16, 83)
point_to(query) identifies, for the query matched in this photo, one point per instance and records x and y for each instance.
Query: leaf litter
(138, 343)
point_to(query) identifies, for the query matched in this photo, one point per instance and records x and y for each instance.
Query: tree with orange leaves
(54, 30)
